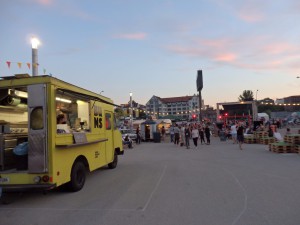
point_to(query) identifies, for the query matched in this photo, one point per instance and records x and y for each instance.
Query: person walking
(182, 135)
(201, 133)
(187, 134)
(240, 135)
(172, 133)
(233, 133)
(195, 135)
(163, 133)
(138, 136)
(207, 134)
(176, 134)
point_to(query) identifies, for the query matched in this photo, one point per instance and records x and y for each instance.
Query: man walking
(240, 135)
(172, 133)
(195, 135)
(207, 134)
(176, 134)
(187, 134)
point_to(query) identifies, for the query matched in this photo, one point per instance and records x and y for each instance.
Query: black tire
(114, 163)
(78, 175)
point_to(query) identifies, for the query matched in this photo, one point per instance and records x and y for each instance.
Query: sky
(156, 47)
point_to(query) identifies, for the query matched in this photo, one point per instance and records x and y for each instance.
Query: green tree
(119, 112)
(246, 96)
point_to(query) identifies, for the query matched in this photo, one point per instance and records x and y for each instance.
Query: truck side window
(36, 118)
(108, 121)
(76, 110)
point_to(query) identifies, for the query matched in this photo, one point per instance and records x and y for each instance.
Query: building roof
(176, 99)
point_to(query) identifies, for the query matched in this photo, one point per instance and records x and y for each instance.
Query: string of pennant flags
(20, 64)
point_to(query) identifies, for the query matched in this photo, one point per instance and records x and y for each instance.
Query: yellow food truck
(53, 133)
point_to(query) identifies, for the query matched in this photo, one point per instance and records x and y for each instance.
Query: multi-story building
(180, 107)
(138, 110)
(292, 103)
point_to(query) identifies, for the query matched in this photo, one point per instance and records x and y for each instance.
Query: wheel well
(118, 151)
(84, 160)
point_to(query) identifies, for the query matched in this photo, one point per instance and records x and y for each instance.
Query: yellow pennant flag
(19, 65)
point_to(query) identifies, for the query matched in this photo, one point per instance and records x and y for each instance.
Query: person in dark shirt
(127, 141)
(138, 136)
(240, 135)
(187, 135)
(207, 134)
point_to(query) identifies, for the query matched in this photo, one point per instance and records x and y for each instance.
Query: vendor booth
(147, 129)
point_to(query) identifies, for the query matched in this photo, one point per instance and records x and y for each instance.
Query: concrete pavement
(164, 184)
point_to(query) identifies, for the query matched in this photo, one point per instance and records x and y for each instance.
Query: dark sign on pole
(199, 81)
(199, 88)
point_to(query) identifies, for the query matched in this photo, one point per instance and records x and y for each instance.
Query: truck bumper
(26, 187)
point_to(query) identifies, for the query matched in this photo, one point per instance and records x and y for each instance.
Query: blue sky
(155, 47)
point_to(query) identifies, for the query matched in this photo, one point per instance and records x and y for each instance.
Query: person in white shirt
(172, 133)
(195, 135)
(182, 136)
(233, 133)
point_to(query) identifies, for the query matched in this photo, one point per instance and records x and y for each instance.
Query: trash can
(222, 136)
(156, 137)
(21, 154)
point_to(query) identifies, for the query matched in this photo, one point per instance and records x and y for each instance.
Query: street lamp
(130, 94)
(34, 44)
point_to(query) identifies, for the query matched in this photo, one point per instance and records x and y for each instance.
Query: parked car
(132, 135)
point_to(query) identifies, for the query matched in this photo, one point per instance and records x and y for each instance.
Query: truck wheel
(78, 175)
(114, 163)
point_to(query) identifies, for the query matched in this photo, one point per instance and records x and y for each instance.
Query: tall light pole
(256, 95)
(34, 44)
(130, 94)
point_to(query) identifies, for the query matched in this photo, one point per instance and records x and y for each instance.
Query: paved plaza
(164, 184)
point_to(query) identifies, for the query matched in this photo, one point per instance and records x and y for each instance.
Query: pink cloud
(278, 48)
(251, 13)
(258, 53)
(227, 57)
(44, 2)
(132, 36)
(250, 17)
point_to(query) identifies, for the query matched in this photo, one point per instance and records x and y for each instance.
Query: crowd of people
(183, 133)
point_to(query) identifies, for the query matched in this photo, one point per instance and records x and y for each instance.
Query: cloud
(64, 8)
(250, 17)
(250, 11)
(226, 57)
(44, 2)
(131, 36)
(257, 53)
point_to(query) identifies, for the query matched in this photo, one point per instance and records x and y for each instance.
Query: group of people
(129, 142)
(235, 131)
(181, 134)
